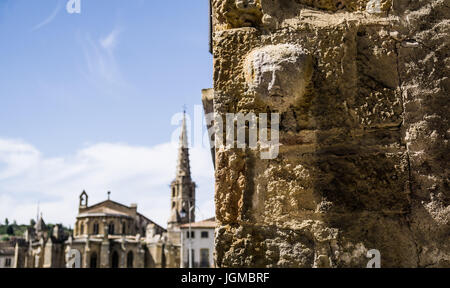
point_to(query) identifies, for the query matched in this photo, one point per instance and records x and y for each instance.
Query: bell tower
(182, 188)
(83, 200)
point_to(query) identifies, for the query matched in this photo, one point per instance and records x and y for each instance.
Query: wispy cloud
(134, 175)
(102, 67)
(49, 19)
(110, 41)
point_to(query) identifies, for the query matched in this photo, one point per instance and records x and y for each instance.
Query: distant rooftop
(6, 248)
(208, 223)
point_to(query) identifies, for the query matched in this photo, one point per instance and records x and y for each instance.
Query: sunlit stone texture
(362, 88)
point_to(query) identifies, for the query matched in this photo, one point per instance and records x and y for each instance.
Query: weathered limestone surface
(364, 132)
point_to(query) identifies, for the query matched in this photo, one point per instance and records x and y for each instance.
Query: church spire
(40, 224)
(182, 187)
(183, 165)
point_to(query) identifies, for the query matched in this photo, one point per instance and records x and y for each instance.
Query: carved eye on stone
(243, 4)
(340, 5)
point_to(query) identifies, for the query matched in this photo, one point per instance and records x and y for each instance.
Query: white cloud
(49, 19)
(110, 41)
(101, 68)
(133, 174)
(17, 157)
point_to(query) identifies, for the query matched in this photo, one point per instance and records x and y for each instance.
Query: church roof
(111, 208)
(103, 210)
(6, 248)
(103, 203)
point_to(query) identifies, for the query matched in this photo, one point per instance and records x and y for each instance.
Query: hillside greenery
(8, 229)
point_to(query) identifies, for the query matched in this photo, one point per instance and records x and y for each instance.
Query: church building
(182, 199)
(112, 235)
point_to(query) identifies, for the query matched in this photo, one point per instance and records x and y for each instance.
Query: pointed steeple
(37, 213)
(41, 229)
(183, 165)
(40, 224)
(182, 187)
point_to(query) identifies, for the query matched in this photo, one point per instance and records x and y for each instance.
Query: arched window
(124, 228)
(111, 228)
(81, 229)
(93, 262)
(95, 230)
(115, 260)
(130, 260)
(173, 192)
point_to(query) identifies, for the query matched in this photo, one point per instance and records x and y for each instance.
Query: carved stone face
(278, 74)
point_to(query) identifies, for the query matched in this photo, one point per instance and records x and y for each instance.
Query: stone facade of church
(112, 235)
(40, 247)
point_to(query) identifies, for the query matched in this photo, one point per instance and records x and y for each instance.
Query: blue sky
(86, 102)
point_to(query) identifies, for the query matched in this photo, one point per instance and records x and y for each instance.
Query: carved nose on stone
(274, 86)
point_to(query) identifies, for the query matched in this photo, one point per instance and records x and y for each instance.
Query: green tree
(32, 222)
(10, 230)
(6, 222)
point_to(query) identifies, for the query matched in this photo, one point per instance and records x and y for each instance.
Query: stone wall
(363, 104)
